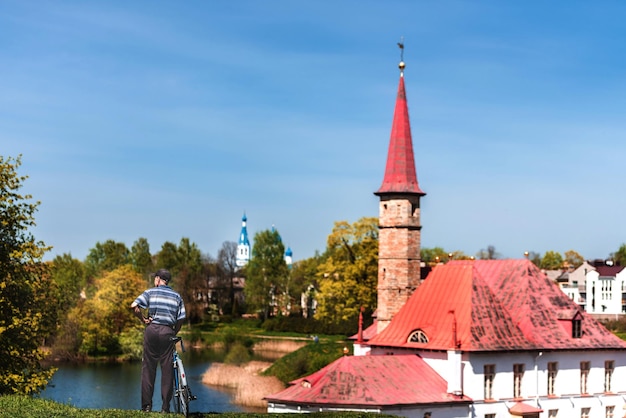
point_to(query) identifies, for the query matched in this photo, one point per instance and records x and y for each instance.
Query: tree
(190, 280)
(107, 314)
(106, 257)
(620, 256)
(348, 277)
(489, 254)
(574, 259)
(140, 258)
(167, 258)
(304, 282)
(69, 275)
(24, 284)
(227, 270)
(551, 260)
(266, 273)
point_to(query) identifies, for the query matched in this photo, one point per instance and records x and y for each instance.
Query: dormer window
(577, 328)
(418, 336)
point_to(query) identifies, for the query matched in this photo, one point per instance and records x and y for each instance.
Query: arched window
(418, 336)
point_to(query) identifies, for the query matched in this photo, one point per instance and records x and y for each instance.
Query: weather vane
(401, 46)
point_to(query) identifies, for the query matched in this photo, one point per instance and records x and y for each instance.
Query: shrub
(305, 361)
(237, 354)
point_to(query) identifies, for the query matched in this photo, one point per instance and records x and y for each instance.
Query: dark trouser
(157, 348)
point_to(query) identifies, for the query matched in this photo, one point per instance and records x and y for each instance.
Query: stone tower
(399, 217)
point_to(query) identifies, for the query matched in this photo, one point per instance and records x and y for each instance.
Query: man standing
(166, 313)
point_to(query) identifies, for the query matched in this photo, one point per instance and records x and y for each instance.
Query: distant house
(475, 339)
(598, 287)
(606, 290)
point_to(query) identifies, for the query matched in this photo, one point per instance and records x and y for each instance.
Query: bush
(312, 326)
(237, 354)
(131, 343)
(305, 361)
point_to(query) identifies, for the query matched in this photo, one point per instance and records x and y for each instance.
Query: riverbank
(246, 381)
(248, 385)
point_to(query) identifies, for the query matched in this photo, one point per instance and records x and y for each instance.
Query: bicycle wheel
(181, 395)
(184, 400)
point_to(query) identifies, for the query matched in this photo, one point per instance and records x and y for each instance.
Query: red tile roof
(375, 381)
(400, 175)
(492, 305)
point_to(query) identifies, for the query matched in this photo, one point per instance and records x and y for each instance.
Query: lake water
(100, 386)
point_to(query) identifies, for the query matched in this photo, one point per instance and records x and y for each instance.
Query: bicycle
(182, 392)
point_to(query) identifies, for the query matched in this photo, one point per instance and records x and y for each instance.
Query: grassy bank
(26, 407)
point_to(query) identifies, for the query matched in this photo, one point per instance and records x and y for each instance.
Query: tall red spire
(400, 175)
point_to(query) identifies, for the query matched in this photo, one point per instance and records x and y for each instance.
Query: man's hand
(138, 314)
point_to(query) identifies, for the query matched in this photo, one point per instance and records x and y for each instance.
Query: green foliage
(231, 338)
(106, 257)
(105, 315)
(347, 279)
(305, 361)
(574, 259)
(69, 275)
(141, 259)
(167, 257)
(24, 287)
(619, 256)
(267, 273)
(238, 354)
(190, 278)
(551, 260)
(131, 343)
(312, 326)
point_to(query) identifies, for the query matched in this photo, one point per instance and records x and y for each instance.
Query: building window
(577, 328)
(553, 368)
(490, 374)
(418, 337)
(584, 412)
(609, 366)
(584, 377)
(553, 413)
(610, 412)
(518, 374)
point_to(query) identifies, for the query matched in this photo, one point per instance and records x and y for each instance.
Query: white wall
(597, 298)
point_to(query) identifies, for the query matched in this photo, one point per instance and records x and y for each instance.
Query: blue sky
(169, 119)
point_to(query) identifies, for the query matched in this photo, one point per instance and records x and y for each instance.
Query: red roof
(522, 409)
(400, 175)
(375, 381)
(492, 305)
(609, 271)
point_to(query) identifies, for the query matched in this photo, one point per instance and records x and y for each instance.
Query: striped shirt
(164, 305)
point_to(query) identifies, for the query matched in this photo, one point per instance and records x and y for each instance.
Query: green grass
(26, 407)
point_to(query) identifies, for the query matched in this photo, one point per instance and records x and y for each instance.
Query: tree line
(81, 307)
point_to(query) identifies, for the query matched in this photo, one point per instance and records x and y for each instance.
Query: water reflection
(100, 386)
